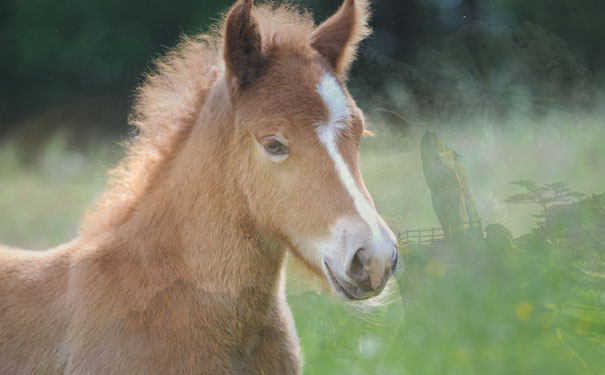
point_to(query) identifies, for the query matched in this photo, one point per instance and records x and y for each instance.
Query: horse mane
(169, 101)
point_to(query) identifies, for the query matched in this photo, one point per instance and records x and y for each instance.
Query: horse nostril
(357, 268)
(395, 262)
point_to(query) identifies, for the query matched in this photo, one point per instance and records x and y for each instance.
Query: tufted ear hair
(243, 52)
(338, 37)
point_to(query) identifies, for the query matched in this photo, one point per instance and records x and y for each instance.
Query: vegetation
(488, 75)
(548, 197)
(57, 52)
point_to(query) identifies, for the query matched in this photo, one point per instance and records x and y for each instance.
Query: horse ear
(243, 45)
(338, 37)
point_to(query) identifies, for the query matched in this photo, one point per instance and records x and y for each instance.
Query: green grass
(42, 202)
(465, 310)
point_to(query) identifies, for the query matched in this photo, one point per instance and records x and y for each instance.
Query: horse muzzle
(365, 271)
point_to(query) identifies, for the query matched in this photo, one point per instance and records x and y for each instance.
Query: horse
(246, 150)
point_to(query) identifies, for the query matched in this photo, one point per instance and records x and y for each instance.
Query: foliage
(526, 310)
(484, 73)
(63, 48)
(56, 51)
(548, 197)
(579, 221)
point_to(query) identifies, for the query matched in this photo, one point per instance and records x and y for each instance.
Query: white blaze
(337, 104)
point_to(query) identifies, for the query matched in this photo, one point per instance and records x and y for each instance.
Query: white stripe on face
(337, 104)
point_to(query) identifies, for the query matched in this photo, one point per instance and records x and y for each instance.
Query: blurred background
(56, 54)
(513, 88)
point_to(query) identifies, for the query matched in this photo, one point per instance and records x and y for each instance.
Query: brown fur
(179, 268)
(347, 27)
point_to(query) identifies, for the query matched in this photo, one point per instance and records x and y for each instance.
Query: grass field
(466, 309)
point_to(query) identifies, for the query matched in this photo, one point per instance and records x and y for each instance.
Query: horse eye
(276, 148)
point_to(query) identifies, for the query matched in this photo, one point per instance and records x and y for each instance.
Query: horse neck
(194, 222)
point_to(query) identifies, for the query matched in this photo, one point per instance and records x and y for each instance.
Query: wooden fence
(435, 235)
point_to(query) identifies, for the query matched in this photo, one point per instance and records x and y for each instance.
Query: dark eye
(275, 147)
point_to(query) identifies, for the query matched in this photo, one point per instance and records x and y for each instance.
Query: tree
(547, 196)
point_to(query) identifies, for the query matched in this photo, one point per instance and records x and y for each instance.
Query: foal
(247, 148)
